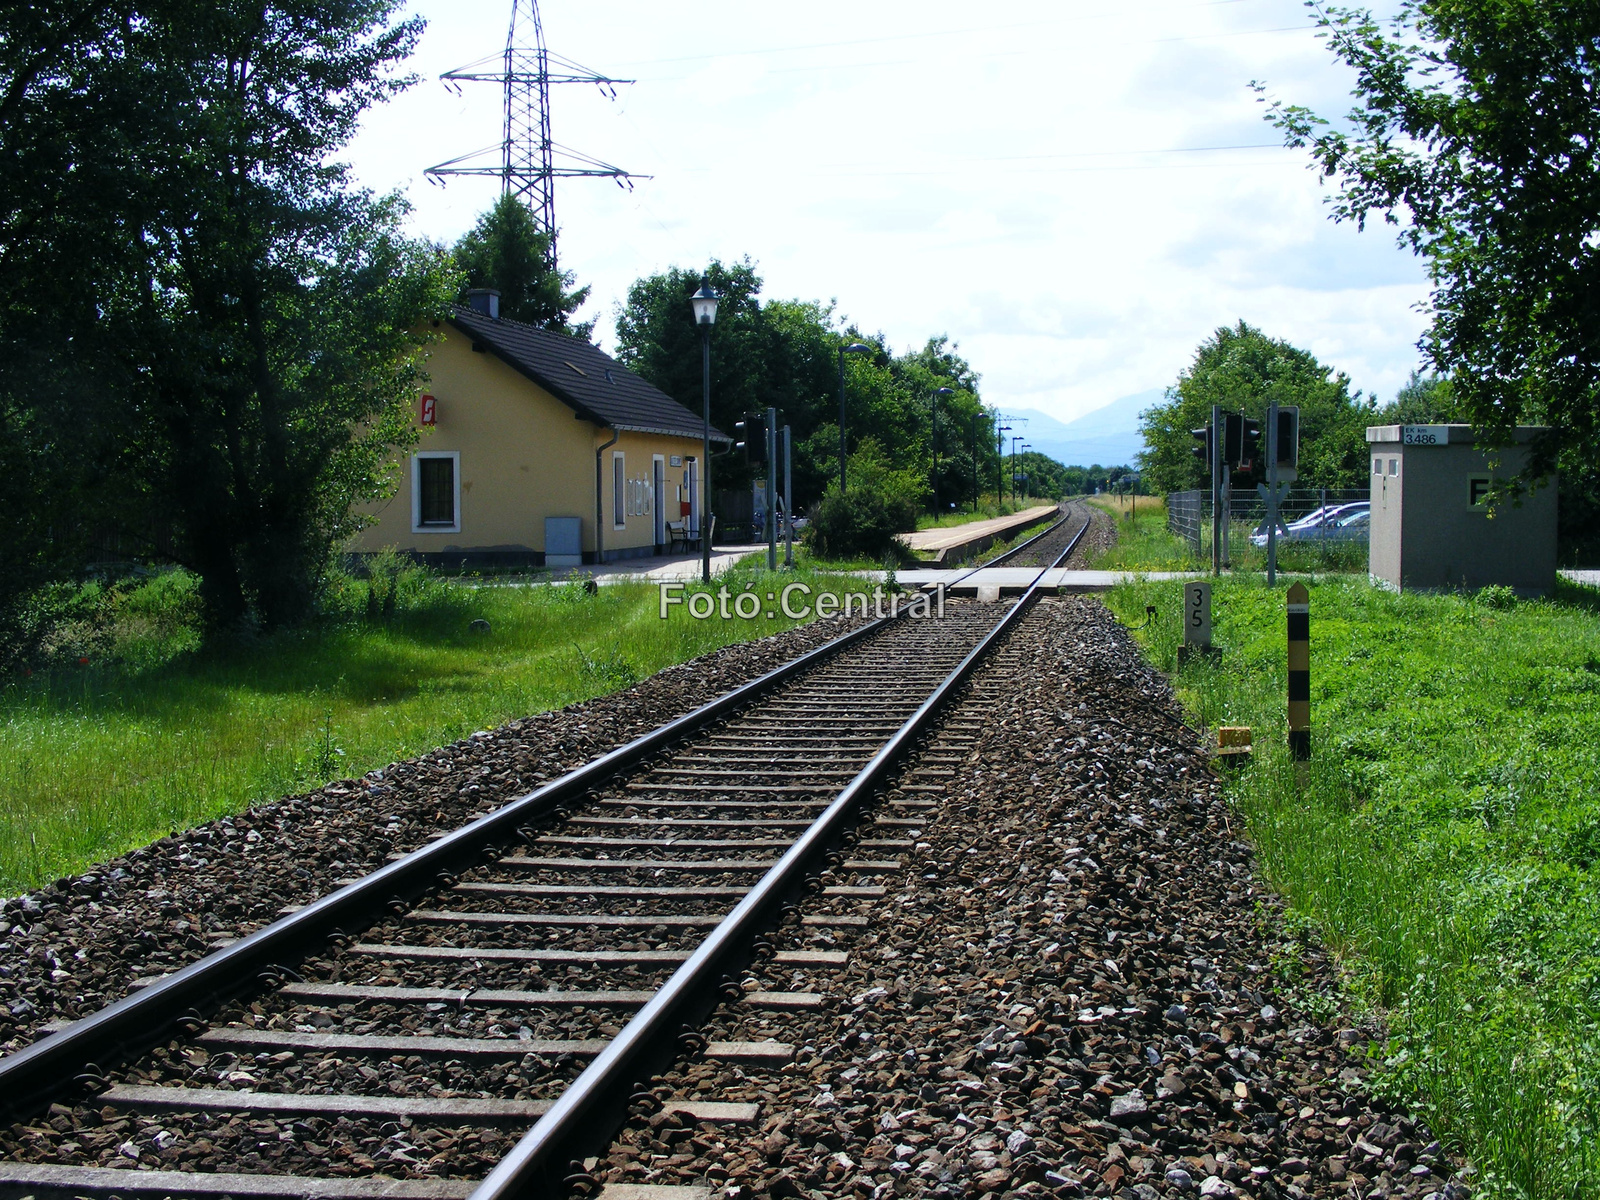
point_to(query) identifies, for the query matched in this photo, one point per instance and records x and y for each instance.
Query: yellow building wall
(524, 456)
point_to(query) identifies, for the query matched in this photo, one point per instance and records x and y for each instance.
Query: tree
(507, 251)
(1244, 370)
(74, 88)
(1476, 134)
(1422, 400)
(784, 353)
(244, 315)
(864, 522)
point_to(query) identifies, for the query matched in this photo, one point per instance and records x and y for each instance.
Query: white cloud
(1007, 177)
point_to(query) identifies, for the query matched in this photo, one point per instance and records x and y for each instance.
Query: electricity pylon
(528, 166)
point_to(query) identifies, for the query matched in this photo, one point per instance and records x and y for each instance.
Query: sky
(1077, 192)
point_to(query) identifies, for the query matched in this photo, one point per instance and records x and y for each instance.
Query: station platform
(662, 567)
(954, 542)
(1013, 581)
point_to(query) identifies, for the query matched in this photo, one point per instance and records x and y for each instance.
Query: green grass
(1144, 544)
(151, 734)
(1444, 840)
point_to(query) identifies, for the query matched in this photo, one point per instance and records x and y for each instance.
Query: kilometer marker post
(1299, 672)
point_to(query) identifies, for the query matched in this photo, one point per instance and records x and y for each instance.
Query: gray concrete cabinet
(1431, 527)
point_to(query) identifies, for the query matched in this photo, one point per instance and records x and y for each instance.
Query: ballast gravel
(1101, 537)
(1079, 985)
(75, 946)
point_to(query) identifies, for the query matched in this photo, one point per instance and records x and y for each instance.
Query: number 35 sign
(1196, 623)
(1197, 614)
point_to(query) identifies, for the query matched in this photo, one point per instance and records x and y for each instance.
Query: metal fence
(1189, 514)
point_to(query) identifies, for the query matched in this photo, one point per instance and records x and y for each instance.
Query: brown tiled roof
(589, 381)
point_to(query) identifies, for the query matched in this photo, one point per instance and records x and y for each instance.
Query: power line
(905, 37)
(946, 166)
(973, 56)
(528, 166)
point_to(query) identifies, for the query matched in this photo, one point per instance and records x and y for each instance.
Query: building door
(694, 498)
(658, 500)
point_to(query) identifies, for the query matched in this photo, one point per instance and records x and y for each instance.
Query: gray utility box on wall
(563, 542)
(1432, 526)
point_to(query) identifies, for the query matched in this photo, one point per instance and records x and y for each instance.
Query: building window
(1394, 466)
(436, 492)
(619, 491)
(1377, 466)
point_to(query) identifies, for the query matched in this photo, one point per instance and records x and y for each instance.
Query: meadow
(1444, 840)
(129, 728)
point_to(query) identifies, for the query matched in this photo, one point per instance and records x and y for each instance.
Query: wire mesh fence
(1330, 519)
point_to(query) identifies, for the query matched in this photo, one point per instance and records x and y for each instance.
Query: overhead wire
(921, 35)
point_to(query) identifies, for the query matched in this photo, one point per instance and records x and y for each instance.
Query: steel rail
(541, 1163)
(52, 1065)
(1019, 548)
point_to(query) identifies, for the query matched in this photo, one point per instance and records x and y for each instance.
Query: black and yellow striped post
(1299, 672)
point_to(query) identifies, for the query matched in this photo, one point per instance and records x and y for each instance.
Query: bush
(863, 521)
(140, 621)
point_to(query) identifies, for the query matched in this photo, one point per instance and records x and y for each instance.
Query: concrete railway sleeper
(497, 961)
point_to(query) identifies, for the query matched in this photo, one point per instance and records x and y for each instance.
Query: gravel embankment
(1079, 986)
(78, 944)
(1101, 537)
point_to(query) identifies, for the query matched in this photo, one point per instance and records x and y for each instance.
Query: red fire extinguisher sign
(429, 411)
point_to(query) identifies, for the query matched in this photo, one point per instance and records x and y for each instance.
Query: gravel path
(79, 944)
(1079, 988)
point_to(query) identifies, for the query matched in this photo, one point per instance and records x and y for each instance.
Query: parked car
(1343, 527)
(1331, 513)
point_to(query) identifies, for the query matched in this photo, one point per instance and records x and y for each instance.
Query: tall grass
(1444, 839)
(100, 756)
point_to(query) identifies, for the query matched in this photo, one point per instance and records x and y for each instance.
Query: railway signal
(1249, 444)
(751, 436)
(1287, 457)
(1232, 439)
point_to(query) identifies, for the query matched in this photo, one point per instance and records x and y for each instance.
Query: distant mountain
(1107, 436)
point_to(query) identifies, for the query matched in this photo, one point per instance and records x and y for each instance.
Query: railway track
(1051, 547)
(533, 968)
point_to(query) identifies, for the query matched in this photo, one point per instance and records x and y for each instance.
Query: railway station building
(537, 449)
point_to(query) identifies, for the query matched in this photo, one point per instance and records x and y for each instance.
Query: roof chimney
(485, 301)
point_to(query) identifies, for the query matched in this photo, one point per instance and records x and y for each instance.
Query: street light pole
(704, 305)
(933, 477)
(1000, 432)
(972, 447)
(1014, 442)
(852, 348)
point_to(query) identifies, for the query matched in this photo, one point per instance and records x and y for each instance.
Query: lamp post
(1000, 432)
(852, 348)
(704, 304)
(1014, 442)
(1027, 492)
(972, 447)
(933, 476)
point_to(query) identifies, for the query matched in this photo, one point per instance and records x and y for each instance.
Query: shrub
(140, 620)
(863, 521)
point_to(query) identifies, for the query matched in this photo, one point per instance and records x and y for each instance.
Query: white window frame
(416, 491)
(619, 490)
